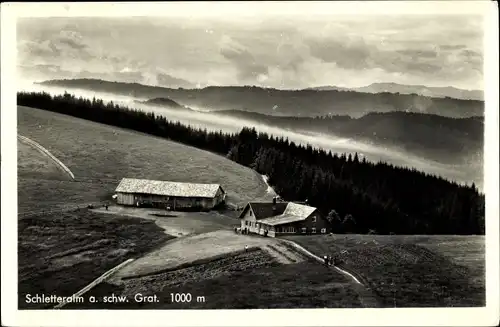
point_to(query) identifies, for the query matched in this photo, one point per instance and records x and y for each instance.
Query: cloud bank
(281, 52)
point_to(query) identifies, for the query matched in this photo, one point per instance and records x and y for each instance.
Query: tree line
(356, 195)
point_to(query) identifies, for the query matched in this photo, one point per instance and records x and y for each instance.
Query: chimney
(274, 204)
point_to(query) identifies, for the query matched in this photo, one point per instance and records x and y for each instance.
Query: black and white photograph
(222, 157)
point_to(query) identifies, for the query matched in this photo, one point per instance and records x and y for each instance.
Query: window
(314, 219)
(304, 230)
(323, 230)
(246, 222)
(250, 213)
(288, 229)
(313, 230)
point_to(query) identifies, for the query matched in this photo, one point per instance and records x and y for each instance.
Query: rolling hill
(284, 102)
(119, 153)
(164, 102)
(443, 139)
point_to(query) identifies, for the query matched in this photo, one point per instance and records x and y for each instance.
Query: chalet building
(170, 195)
(282, 218)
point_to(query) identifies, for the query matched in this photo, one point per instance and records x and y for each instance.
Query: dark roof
(263, 210)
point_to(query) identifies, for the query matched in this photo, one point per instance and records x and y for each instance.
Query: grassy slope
(418, 271)
(301, 285)
(44, 195)
(241, 282)
(97, 151)
(34, 164)
(59, 254)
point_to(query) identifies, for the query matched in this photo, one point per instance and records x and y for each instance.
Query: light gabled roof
(281, 219)
(285, 212)
(299, 210)
(145, 186)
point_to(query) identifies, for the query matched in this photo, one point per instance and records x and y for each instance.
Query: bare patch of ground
(177, 224)
(206, 245)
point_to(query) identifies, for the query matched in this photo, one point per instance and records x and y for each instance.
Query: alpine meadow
(293, 159)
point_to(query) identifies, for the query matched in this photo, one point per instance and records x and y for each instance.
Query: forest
(356, 195)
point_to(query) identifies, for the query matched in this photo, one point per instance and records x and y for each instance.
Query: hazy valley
(451, 146)
(284, 102)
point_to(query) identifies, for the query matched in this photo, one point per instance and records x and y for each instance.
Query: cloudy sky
(281, 51)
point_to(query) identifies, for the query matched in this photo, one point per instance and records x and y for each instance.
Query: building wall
(310, 226)
(125, 198)
(164, 201)
(248, 221)
(316, 223)
(220, 197)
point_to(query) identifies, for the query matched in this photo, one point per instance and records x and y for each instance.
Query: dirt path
(203, 246)
(99, 280)
(203, 235)
(309, 254)
(282, 254)
(193, 245)
(46, 152)
(177, 224)
(367, 298)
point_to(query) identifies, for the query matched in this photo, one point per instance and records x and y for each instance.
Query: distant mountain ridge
(438, 138)
(301, 103)
(443, 139)
(36, 72)
(435, 92)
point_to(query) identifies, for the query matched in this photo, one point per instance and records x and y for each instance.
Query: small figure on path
(246, 248)
(106, 206)
(326, 260)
